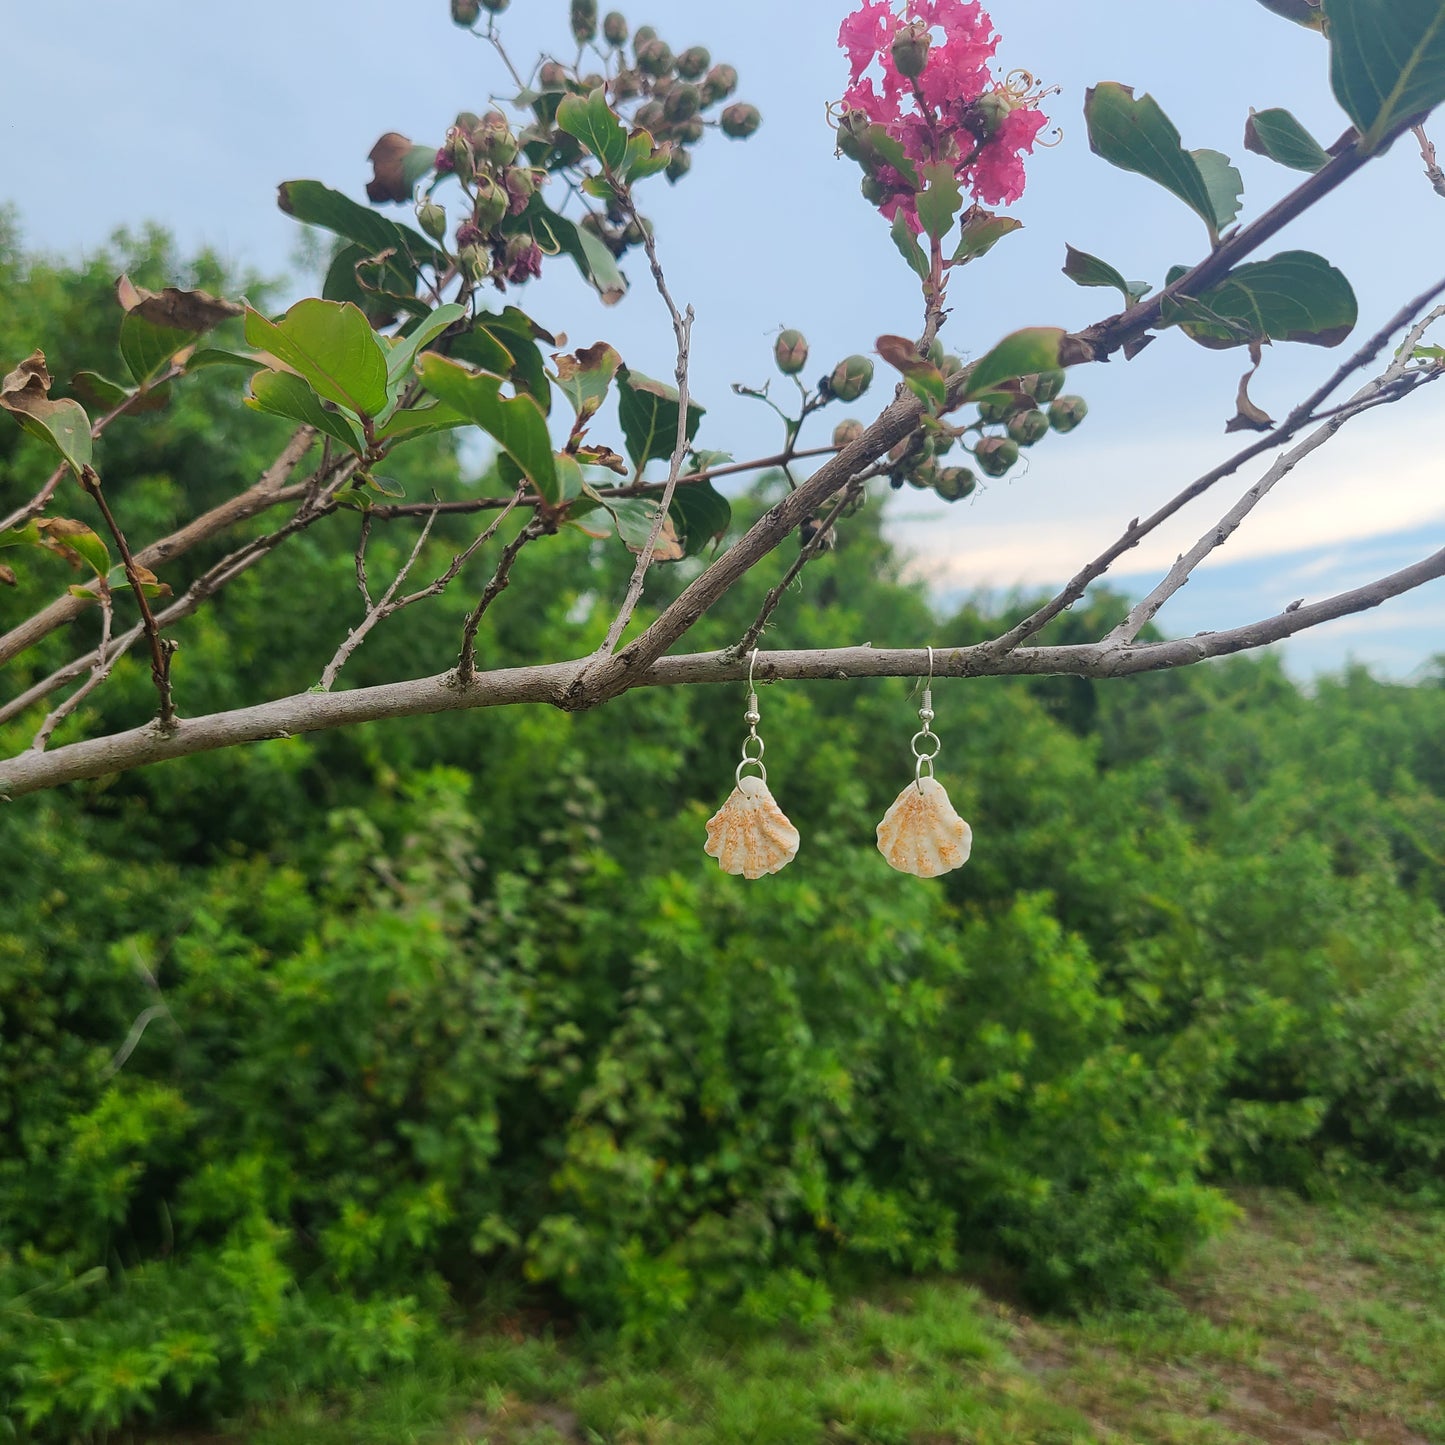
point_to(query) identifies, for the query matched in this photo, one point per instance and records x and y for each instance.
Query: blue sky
(192, 113)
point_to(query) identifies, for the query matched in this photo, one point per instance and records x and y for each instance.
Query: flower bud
(521, 183)
(995, 455)
(875, 192)
(492, 203)
(465, 12)
(637, 231)
(923, 474)
(614, 28)
(719, 83)
(740, 121)
(682, 103)
(693, 62)
(955, 483)
(847, 432)
(790, 351)
(1067, 412)
(987, 114)
(475, 261)
(552, 75)
(910, 49)
(643, 34)
(679, 165)
(584, 20)
(493, 141)
(432, 219)
(1043, 386)
(850, 378)
(655, 58)
(1027, 427)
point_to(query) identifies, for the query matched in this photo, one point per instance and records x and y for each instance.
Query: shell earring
(749, 834)
(921, 833)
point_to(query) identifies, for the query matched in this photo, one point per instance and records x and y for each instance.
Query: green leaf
(908, 246)
(381, 284)
(1387, 63)
(647, 410)
(584, 378)
(516, 424)
(634, 516)
(283, 394)
(415, 421)
(1225, 185)
(319, 205)
(880, 146)
(506, 345)
(219, 356)
(1086, 270)
(982, 231)
(594, 124)
(100, 390)
(66, 535)
(1136, 135)
(644, 156)
(1036, 348)
(147, 349)
(941, 202)
(62, 424)
(404, 349)
(701, 514)
(332, 346)
(569, 477)
(556, 233)
(1294, 296)
(920, 375)
(1278, 135)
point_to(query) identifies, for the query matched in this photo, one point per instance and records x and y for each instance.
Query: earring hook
(930, 667)
(752, 663)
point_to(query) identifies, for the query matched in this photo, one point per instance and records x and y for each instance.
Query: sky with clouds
(192, 114)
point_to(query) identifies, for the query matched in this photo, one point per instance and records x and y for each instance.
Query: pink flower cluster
(938, 117)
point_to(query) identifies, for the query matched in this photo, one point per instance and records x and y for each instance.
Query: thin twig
(816, 545)
(682, 331)
(466, 673)
(161, 649)
(1295, 422)
(439, 584)
(1433, 173)
(362, 585)
(376, 612)
(98, 674)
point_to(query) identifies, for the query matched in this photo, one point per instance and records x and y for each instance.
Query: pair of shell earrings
(920, 834)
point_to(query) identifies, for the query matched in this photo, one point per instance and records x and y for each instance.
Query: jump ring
(931, 737)
(756, 757)
(751, 763)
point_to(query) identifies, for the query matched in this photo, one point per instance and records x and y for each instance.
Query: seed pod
(584, 20)
(465, 12)
(1027, 427)
(493, 202)
(790, 351)
(847, 431)
(689, 132)
(955, 483)
(650, 116)
(995, 455)
(679, 165)
(496, 6)
(493, 141)
(740, 121)
(988, 113)
(1043, 386)
(655, 58)
(641, 36)
(719, 83)
(459, 153)
(1067, 412)
(693, 62)
(625, 85)
(614, 28)
(682, 103)
(552, 75)
(910, 48)
(850, 378)
(997, 406)
(432, 218)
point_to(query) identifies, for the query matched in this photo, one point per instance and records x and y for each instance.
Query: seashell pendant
(922, 834)
(750, 834)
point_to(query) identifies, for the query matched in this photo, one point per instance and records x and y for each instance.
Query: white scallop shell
(749, 834)
(922, 834)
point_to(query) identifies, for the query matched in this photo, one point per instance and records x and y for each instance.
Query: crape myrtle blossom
(951, 110)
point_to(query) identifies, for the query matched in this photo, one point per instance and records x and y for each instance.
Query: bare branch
(1433, 173)
(1302, 415)
(99, 671)
(376, 612)
(466, 673)
(555, 683)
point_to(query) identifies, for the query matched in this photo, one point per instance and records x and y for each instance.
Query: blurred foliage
(307, 1047)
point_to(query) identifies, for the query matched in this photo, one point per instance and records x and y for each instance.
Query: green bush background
(440, 1011)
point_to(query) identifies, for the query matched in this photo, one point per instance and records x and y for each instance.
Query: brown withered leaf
(602, 456)
(194, 311)
(1248, 416)
(398, 164)
(668, 547)
(28, 384)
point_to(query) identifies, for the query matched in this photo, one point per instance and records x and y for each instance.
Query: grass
(1307, 1323)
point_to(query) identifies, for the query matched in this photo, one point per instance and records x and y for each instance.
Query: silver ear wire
(922, 754)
